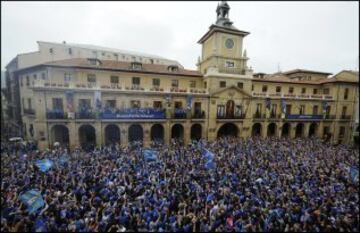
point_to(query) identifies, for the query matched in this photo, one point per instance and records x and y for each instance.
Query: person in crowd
(272, 184)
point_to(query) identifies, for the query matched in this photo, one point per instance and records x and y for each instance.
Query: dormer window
(136, 66)
(173, 68)
(229, 64)
(94, 61)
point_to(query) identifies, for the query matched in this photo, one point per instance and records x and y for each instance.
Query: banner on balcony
(134, 113)
(325, 105)
(97, 99)
(283, 108)
(69, 95)
(267, 107)
(304, 117)
(189, 101)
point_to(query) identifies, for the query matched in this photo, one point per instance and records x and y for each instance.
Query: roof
(281, 78)
(216, 28)
(120, 66)
(113, 50)
(305, 71)
(345, 76)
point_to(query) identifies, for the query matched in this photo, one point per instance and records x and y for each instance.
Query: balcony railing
(199, 115)
(345, 117)
(292, 96)
(231, 117)
(231, 70)
(85, 115)
(29, 111)
(55, 114)
(133, 113)
(259, 116)
(179, 113)
(329, 117)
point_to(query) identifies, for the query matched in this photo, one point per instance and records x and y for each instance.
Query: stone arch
(177, 132)
(60, 133)
(135, 133)
(285, 131)
(256, 129)
(196, 132)
(157, 132)
(228, 129)
(299, 130)
(271, 130)
(87, 137)
(313, 129)
(112, 134)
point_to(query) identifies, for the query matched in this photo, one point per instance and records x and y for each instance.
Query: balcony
(345, 117)
(133, 113)
(291, 96)
(230, 70)
(29, 111)
(179, 113)
(85, 115)
(55, 114)
(242, 116)
(329, 117)
(199, 115)
(259, 116)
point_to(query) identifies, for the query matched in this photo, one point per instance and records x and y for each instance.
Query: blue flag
(32, 199)
(208, 155)
(210, 197)
(149, 155)
(40, 226)
(210, 164)
(354, 174)
(44, 164)
(63, 159)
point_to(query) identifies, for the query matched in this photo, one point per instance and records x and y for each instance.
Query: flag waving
(33, 200)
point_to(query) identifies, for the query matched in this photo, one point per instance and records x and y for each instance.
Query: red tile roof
(122, 66)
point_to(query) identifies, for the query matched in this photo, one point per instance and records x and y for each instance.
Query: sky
(321, 36)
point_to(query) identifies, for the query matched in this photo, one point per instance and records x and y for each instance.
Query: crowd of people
(258, 184)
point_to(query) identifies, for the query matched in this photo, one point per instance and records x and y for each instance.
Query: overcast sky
(322, 36)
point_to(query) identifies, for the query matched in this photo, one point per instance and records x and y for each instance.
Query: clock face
(229, 43)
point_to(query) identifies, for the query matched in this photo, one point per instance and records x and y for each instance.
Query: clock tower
(223, 53)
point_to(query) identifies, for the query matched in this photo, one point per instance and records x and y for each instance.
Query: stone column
(73, 135)
(187, 132)
(147, 135)
(292, 129)
(123, 134)
(306, 129)
(264, 127)
(278, 130)
(98, 133)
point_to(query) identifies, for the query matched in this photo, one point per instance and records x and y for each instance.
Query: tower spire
(222, 14)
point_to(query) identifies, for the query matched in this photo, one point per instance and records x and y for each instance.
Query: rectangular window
(175, 83)
(221, 111)
(341, 132)
(70, 51)
(343, 113)
(205, 84)
(278, 89)
(302, 109)
(136, 81)
(111, 103)
(29, 103)
(135, 103)
(192, 84)
(291, 90)
(346, 93)
(303, 90)
(273, 110)
(258, 109)
(91, 78)
(178, 104)
(315, 110)
(252, 87)
(67, 77)
(240, 85)
(27, 80)
(156, 82)
(21, 81)
(229, 64)
(264, 88)
(326, 91)
(57, 103)
(85, 103)
(43, 76)
(222, 84)
(114, 79)
(157, 104)
(288, 109)
(35, 76)
(315, 91)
